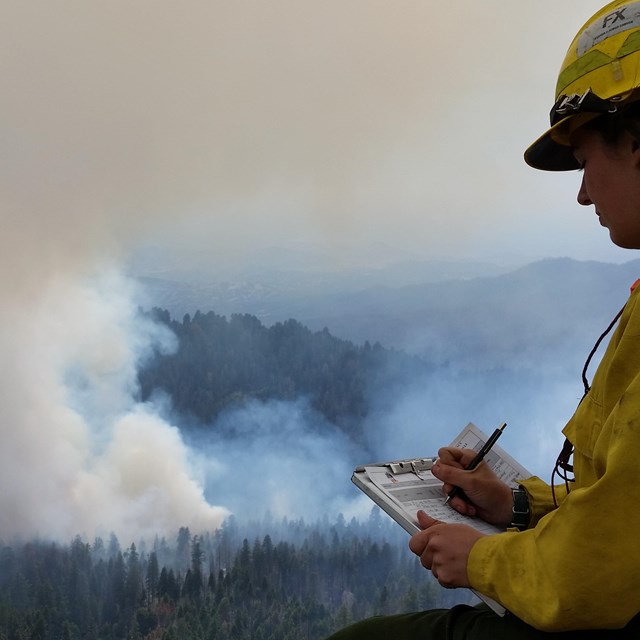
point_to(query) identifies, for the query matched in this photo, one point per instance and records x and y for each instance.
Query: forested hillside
(299, 582)
(255, 580)
(222, 362)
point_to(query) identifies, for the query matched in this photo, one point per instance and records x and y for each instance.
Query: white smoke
(280, 457)
(79, 454)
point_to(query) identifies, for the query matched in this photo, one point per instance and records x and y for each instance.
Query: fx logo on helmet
(614, 17)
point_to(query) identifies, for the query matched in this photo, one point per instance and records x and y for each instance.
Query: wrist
(501, 511)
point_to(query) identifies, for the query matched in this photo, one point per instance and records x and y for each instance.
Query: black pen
(486, 447)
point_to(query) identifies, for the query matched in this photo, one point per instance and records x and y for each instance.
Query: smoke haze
(227, 127)
(282, 458)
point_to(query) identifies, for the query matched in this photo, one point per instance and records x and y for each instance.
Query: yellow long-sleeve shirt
(578, 567)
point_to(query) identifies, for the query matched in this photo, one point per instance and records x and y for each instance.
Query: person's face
(611, 182)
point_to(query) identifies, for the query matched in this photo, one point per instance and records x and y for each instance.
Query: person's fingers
(425, 520)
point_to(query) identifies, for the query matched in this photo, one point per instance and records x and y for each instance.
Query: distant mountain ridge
(554, 300)
(556, 304)
(271, 291)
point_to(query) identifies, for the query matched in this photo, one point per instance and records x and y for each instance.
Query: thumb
(425, 520)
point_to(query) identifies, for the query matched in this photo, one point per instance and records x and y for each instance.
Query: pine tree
(153, 575)
(133, 583)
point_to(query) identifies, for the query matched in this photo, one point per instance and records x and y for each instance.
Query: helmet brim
(552, 151)
(548, 155)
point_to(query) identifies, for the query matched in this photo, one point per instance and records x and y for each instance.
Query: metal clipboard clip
(416, 466)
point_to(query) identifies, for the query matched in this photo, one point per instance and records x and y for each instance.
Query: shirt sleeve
(579, 567)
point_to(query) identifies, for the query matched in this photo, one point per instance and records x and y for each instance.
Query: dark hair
(612, 126)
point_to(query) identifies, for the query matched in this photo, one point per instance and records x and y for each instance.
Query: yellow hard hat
(600, 74)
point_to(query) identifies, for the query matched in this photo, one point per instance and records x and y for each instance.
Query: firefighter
(568, 564)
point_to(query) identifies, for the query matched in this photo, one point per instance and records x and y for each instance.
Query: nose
(583, 195)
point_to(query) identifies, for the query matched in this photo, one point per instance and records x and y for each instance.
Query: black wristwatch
(521, 513)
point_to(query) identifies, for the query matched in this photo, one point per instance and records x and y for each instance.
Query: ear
(635, 152)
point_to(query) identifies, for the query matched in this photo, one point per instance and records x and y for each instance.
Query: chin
(625, 244)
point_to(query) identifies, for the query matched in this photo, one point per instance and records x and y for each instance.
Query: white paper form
(412, 493)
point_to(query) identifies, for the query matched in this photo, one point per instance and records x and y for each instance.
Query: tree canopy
(223, 362)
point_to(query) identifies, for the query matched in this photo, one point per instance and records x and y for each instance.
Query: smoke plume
(79, 455)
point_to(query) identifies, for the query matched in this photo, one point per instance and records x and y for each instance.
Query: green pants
(463, 622)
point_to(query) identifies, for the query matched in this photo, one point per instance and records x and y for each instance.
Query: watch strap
(521, 512)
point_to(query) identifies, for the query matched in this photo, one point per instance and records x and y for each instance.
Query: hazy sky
(234, 125)
(231, 126)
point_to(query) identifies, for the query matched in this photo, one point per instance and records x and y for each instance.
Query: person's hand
(444, 549)
(489, 497)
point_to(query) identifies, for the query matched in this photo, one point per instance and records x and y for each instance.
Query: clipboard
(401, 487)
(362, 480)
